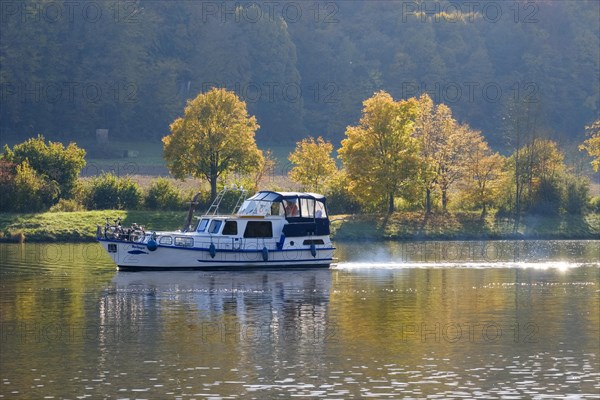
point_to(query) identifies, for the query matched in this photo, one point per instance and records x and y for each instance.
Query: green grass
(80, 225)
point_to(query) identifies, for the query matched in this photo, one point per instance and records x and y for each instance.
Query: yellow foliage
(592, 145)
(213, 138)
(314, 164)
(380, 155)
(483, 172)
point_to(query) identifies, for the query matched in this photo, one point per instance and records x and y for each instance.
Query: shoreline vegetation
(80, 226)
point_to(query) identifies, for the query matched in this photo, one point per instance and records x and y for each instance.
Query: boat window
(230, 228)
(166, 240)
(291, 208)
(202, 225)
(255, 207)
(258, 196)
(258, 229)
(307, 207)
(277, 209)
(320, 211)
(313, 241)
(184, 241)
(215, 225)
(271, 197)
(266, 196)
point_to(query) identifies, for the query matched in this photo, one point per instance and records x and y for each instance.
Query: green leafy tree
(52, 161)
(213, 138)
(108, 191)
(380, 155)
(540, 166)
(313, 163)
(339, 198)
(8, 171)
(162, 194)
(31, 192)
(577, 194)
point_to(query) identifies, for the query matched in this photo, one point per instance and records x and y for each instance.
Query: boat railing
(214, 207)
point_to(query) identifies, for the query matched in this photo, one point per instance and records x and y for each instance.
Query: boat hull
(138, 256)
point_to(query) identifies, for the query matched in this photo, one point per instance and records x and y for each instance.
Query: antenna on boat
(188, 219)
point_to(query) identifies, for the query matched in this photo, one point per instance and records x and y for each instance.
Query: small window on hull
(313, 241)
(168, 240)
(184, 241)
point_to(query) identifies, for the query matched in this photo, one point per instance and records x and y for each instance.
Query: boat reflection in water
(189, 310)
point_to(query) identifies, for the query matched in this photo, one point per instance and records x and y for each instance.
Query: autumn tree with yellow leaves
(592, 144)
(213, 138)
(482, 174)
(313, 163)
(380, 154)
(444, 145)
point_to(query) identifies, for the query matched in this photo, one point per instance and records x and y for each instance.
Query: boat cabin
(268, 213)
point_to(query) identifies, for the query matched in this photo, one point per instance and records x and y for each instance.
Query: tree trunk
(517, 196)
(391, 205)
(444, 199)
(428, 201)
(483, 211)
(213, 183)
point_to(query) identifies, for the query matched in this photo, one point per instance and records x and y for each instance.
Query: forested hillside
(68, 68)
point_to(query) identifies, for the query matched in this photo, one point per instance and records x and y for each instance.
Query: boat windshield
(261, 207)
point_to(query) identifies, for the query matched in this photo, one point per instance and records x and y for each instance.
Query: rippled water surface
(418, 320)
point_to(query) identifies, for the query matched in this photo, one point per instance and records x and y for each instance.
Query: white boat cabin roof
(279, 196)
(285, 204)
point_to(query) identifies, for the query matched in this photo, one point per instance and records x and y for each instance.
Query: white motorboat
(269, 229)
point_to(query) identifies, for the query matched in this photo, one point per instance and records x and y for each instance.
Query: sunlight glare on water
(559, 265)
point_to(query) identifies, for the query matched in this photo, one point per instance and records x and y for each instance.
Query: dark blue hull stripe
(268, 261)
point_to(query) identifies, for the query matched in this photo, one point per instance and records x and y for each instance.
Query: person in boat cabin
(291, 208)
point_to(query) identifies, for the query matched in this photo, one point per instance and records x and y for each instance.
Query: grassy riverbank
(463, 226)
(81, 226)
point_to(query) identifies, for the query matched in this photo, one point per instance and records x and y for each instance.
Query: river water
(391, 320)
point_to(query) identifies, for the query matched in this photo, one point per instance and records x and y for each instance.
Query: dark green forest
(68, 68)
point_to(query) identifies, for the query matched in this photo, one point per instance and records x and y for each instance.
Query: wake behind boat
(283, 229)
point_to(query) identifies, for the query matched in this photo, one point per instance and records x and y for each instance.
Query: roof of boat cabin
(290, 195)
